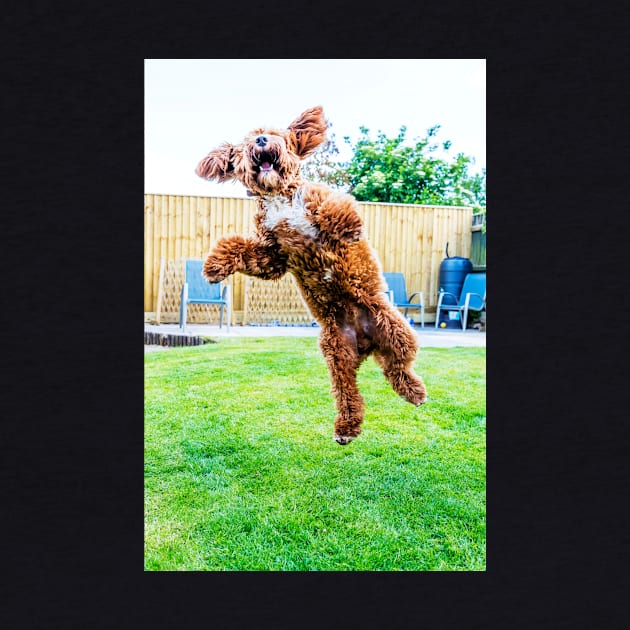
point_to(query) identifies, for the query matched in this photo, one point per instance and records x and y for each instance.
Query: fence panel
(407, 238)
(478, 247)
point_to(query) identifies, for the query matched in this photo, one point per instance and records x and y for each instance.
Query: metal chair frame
(397, 293)
(472, 298)
(197, 290)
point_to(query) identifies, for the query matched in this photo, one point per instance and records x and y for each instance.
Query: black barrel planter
(453, 271)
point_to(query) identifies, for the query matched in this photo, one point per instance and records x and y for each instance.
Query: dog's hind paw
(416, 401)
(344, 439)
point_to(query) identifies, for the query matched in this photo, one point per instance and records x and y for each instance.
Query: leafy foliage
(323, 166)
(389, 170)
(392, 170)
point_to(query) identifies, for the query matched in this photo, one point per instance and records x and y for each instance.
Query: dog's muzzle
(265, 159)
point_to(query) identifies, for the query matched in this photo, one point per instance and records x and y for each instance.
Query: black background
(72, 282)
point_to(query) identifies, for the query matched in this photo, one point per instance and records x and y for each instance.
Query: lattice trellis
(172, 274)
(274, 301)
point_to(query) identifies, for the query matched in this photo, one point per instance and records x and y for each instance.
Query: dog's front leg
(247, 255)
(338, 345)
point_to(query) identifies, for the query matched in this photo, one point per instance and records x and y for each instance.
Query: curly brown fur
(316, 234)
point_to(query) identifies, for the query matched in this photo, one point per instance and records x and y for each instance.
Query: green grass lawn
(242, 472)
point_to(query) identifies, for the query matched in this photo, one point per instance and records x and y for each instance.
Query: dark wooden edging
(164, 339)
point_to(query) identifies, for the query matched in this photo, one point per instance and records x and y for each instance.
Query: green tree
(323, 166)
(390, 170)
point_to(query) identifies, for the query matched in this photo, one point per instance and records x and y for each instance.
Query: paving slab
(429, 337)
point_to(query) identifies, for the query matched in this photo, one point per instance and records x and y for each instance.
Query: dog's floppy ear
(218, 164)
(308, 131)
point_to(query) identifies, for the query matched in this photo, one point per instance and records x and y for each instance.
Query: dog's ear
(308, 131)
(218, 164)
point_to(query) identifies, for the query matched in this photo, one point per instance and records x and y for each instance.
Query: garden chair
(472, 298)
(397, 293)
(197, 290)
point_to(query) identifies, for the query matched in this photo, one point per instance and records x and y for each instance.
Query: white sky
(192, 105)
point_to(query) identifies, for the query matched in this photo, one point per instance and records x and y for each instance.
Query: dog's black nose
(261, 141)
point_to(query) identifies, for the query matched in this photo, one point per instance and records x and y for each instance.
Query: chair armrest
(468, 296)
(390, 296)
(447, 293)
(420, 293)
(441, 295)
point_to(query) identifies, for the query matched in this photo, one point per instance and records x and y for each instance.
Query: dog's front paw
(213, 271)
(213, 278)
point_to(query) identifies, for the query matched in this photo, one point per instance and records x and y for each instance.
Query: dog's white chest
(278, 208)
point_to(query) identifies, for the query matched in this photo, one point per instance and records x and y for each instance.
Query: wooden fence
(407, 238)
(478, 247)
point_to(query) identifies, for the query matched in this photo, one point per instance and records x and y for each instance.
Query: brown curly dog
(316, 234)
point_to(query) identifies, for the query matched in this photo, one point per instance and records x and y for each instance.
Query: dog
(315, 233)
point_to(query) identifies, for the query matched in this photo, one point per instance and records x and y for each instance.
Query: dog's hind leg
(339, 347)
(396, 352)
(404, 381)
